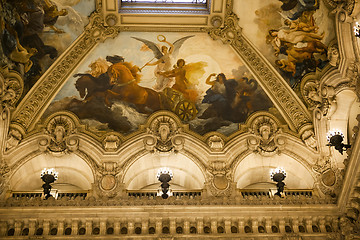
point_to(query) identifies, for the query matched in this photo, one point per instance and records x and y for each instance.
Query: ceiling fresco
(293, 35)
(126, 79)
(35, 33)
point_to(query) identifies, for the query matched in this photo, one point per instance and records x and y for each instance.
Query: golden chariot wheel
(186, 110)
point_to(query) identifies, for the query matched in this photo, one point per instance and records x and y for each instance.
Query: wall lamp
(335, 139)
(48, 176)
(164, 175)
(278, 175)
(357, 30)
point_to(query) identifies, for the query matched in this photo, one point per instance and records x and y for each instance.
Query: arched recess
(346, 111)
(141, 174)
(344, 119)
(254, 172)
(74, 173)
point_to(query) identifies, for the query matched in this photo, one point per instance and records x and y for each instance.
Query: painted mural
(293, 34)
(35, 32)
(127, 78)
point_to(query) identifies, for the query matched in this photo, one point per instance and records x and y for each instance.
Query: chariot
(174, 101)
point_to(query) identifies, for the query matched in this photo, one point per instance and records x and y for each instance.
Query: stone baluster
(74, 226)
(268, 225)
(18, 227)
(335, 224)
(131, 227)
(228, 225)
(158, 226)
(322, 225)
(308, 225)
(32, 226)
(200, 225)
(60, 227)
(3, 228)
(88, 226)
(186, 226)
(102, 226)
(213, 225)
(282, 225)
(241, 225)
(46, 227)
(172, 226)
(116, 226)
(295, 225)
(254, 225)
(145, 226)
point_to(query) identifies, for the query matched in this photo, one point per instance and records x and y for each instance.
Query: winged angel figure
(164, 56)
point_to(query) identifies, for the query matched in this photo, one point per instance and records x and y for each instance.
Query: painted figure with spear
(164, 56)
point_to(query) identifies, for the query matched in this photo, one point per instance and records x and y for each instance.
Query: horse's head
(80, 85)
(119, 73)
(98, 67)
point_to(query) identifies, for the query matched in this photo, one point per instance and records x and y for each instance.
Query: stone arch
(74, 173)
(141, 172)
(253, 171)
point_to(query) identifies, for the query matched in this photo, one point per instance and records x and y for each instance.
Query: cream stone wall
(221, 186)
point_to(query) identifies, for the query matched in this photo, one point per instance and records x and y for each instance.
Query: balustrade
(165, 226)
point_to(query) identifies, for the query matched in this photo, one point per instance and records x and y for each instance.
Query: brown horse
(89, 86)
(126, 88)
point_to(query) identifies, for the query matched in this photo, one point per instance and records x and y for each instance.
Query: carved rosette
(59, 136)
(266, 136)
(163, 136)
